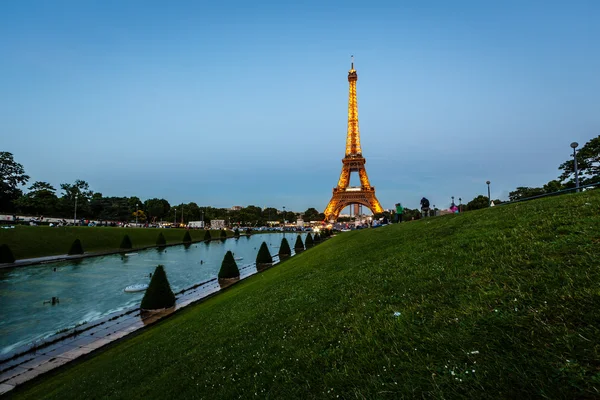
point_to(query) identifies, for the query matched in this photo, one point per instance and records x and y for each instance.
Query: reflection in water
(91, 288)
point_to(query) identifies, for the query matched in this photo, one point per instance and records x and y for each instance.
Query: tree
(126, 243)
(157, 208)
(229, 268)
(523, 192)
(311, 214)
(80, 189)
(6, 255)
(159, 294)
(284, 249)
(76, 247)
(12, 174)
(40, 200)
(139, 215)
(298, 246)
(160, 240)
(187, 238)
(308, 241)
(264, 255)
(477, 203)
(588, 164)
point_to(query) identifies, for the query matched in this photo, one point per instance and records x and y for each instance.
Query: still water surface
(91, 288)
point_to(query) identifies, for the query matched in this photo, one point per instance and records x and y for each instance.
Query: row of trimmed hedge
(159, 294)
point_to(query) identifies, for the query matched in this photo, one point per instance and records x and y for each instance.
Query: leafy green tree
(12, 175)
(588, 164)
(311, 214)
(187, 238)
(264, 255)
(159, 294)
(298, 246)
(229, 268)
(40, 200)
(477, 203)
(523, 192)
(157, 208)
(76, 248)
(80, 189)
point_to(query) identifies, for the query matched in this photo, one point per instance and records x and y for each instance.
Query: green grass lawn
(39, 241)
(497, 303)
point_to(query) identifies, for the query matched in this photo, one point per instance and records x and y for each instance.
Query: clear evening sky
(238, 103)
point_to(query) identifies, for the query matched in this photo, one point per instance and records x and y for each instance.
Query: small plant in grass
(284, 249)
(223, 234)
(159, 294)
(76, 247)
(6, 255)
(207, 235)
(187, 238)
(263, 258)
(229, 268)
(160, 240)
(126, 243)
(298, 246)
(308, 242)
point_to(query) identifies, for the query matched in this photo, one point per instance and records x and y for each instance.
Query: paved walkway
(82, 340)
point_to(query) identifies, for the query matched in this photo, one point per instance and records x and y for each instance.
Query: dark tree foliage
(187, 238)
(588, 164)
(76, 247)
(229, 268)
(126, 243)
(160, 240)
(284, 248)
(308, 242)
(298, 246)
(207, 235)
(6, 255)
(159, 294)
(264, 256)
(12, 174)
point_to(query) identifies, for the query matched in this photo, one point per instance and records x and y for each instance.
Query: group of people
(424, 209)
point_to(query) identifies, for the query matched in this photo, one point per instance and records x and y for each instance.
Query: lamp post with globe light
(75, 214)
(574, 146)
(136, 213)
(489, 198)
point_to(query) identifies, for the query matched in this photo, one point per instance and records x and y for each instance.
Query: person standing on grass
(399, 211)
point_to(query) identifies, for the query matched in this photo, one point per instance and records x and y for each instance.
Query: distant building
(236, 208)
(217, 224)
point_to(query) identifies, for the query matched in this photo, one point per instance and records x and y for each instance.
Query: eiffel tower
(343, 193)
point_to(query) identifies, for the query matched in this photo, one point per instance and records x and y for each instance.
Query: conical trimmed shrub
(6, 255)
(284, 249)
(126, 243)
(308, 242)
(160, 240)
(223, 234)
(229, 268)
(187, 238)
(207, 235)
(159, 294)
(236, 232)
(248, 231)
(317, 238)
(264, 255)
(298, 246)
(76, 247)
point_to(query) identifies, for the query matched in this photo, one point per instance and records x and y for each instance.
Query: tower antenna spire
(352, 61)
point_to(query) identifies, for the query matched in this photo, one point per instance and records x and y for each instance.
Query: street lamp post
(175, 217)
(75, 214)
(284, 218)
(489, 198)
(136, 213)
(459, 205)
(452, 200)
(574, 146)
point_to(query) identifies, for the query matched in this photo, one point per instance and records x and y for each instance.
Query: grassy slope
(509, 292)
(39, 241)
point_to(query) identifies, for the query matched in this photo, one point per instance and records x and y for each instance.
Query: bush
(223, 234)
(264, 255)
(284, 249)
(187, 238)
(229, 268)
(317, 238)
(308, 242)
(6, 255)
(236, 232)
(207, 235)
(159, 294)
(126, 243)
(160, 240)
(76, 248)
(298, 246)
(248, 231)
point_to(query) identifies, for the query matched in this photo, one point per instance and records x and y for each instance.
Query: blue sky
(238, 103)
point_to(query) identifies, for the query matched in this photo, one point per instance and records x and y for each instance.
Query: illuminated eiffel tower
(343, 193)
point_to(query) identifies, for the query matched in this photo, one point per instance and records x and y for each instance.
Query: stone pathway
(79, 341)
